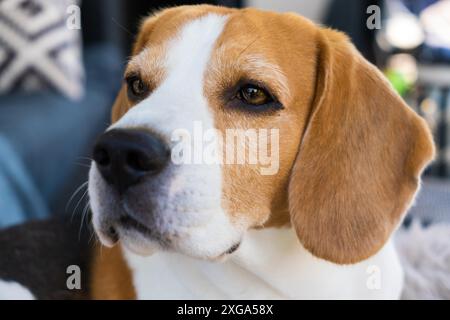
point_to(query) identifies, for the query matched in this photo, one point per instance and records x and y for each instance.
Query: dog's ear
(359, 163)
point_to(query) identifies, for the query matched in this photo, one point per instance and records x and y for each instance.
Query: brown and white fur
(350, 160)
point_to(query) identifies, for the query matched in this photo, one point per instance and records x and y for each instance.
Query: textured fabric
(425, 256)
(423, 243)
(38, 49)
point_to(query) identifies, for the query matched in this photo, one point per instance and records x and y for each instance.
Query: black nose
(125, 156)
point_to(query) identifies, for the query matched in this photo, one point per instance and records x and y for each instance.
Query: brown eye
(254, 95)
(136, 87)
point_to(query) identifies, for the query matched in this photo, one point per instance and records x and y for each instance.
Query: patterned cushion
(37, 48)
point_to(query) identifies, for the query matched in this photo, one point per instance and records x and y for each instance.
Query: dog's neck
(270, 264)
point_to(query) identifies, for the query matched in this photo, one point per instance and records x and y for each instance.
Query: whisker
(122, 27)
(85, 158)
(91, 237)
(74, 194)
(78, 203)
(93, 234)
(85, 211)
(83, 164)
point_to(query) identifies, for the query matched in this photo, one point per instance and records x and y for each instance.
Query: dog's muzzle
(125, 158)
(142, 199)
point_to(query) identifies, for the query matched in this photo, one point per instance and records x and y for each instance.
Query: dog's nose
(125, 156)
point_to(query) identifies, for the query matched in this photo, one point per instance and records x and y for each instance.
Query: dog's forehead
(178, 44)
(165, 25)
(240, 28)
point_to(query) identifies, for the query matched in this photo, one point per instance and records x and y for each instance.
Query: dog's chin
(139, 245)
(144, 244)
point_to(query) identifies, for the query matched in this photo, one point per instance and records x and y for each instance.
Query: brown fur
(262, 200)
(351, 150)
(111, 277)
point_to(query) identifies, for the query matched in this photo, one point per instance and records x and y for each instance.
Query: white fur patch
(270, 264)
(10, 290)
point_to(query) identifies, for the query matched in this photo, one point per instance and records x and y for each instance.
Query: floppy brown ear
(360, 160)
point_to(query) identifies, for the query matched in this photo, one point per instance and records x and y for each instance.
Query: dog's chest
(270, 264)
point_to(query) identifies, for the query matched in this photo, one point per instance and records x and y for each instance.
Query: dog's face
(345, 153)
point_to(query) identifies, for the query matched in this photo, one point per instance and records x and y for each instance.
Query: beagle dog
(350, 157)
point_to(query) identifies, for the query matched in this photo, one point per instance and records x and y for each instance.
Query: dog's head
(338, 153)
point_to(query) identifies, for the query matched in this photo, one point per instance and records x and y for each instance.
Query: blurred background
(58, 83)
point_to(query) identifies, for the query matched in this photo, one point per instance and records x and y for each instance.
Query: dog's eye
(136, 87)
(253, 95)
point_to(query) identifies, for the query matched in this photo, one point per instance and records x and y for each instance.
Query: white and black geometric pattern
(37, 50)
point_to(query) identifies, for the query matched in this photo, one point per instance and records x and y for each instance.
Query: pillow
(38, 48)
